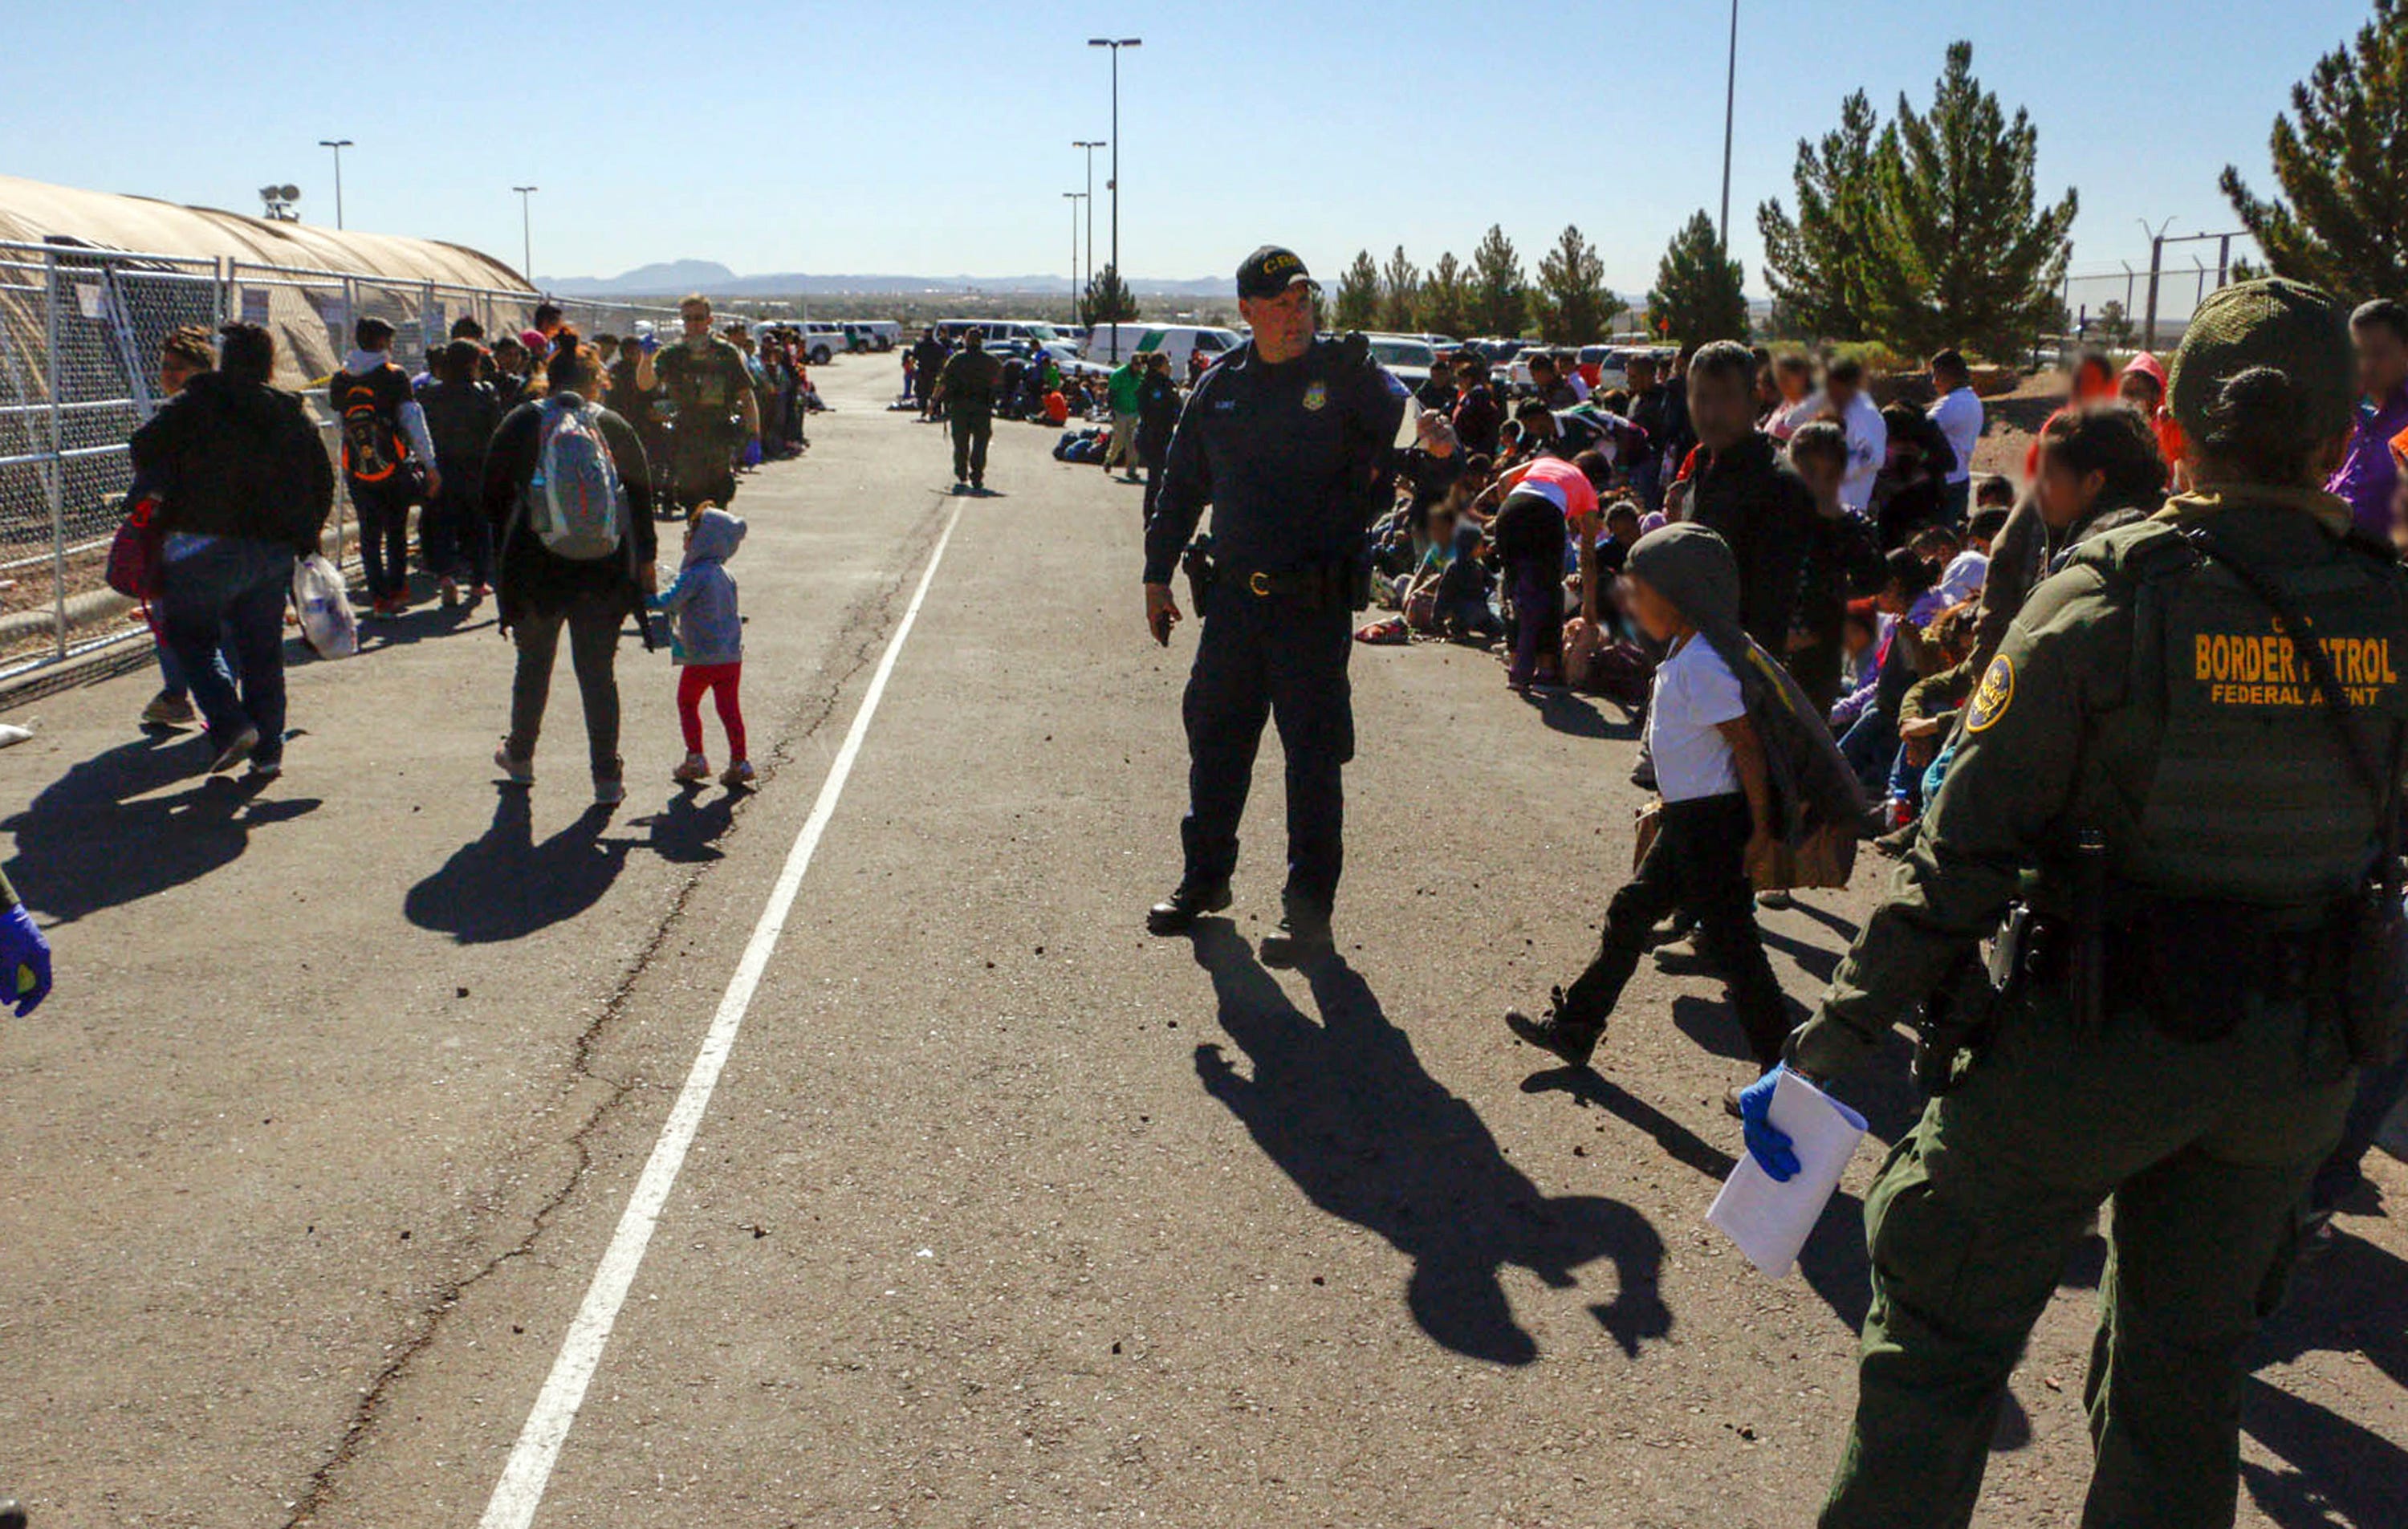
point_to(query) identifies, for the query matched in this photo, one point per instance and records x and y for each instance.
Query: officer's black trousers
(971, 430)
(1280, 660)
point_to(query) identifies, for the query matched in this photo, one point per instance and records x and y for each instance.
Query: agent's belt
(1317, 584)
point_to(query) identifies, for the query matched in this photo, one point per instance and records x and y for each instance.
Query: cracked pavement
(1004, 1214)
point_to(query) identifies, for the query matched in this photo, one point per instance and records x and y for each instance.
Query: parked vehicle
(873, 334)
(1178, 341)
(1035, 331)
(1409, 357)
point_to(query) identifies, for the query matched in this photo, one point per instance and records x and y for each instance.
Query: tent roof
(34, 212)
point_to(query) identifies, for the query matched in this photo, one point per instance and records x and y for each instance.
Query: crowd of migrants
(533, 466)
(1873, 559)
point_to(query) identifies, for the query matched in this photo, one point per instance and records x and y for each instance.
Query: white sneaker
(519, 772)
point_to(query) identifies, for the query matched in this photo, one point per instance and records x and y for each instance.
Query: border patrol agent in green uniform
(2197, 859)
(966, 388)
(711, 389)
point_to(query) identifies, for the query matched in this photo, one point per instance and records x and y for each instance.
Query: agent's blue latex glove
(648, 343)
(24, 955)
(1766, 1142)
(753, 453)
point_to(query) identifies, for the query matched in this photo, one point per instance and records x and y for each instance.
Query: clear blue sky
(934, 139)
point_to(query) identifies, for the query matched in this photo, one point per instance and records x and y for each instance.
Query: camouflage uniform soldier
(709, 387)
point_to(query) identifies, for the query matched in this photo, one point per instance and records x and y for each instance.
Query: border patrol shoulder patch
(1992, 696)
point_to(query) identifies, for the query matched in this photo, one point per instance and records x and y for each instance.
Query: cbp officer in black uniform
(1290, 440)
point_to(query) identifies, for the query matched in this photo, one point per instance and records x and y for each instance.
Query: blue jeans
(171, 671)
(230, 590)
(1871, 748)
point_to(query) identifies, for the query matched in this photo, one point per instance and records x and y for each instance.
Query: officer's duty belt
(1312, 585)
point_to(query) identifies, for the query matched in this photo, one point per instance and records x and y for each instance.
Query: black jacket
(1750, 498)
(532, 581)
(1157, 412)
(237, 459)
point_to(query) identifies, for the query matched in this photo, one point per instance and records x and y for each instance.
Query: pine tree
(2341, 221)
(1501, 294)
(1108, 301)
(1573, 303)
(1358, 294)
(1961, 252)
(1698, 296)
(1811, 263)
(1400, 293)
(1446, 298)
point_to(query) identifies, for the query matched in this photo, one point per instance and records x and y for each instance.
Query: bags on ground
(327, 618)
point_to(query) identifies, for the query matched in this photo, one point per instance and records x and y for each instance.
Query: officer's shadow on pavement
(100, 835)
(2352, 1299)
(1344, 1107)
(1563, 712)
(505, 886)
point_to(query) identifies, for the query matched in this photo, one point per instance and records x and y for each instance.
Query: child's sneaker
(738, 774)
(519, 772)
(695, 768)
(448, 590)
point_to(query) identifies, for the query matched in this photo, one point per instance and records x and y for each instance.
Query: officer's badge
(1315, 395)
(1992, 696)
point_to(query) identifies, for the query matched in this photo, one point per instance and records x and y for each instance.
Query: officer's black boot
(12, 1516)
(1177, 913)
(1571, 1039)
(1304, 936)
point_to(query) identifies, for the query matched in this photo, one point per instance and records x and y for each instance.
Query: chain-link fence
(81, 331)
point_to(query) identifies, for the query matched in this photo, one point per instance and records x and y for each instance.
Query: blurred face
(2063, 494)
(2138, 391)
(2382, 360)
(1441, 525)
(1822, 474)
(1657, 616)
(1622, 528)
(1720, 409)
(174, 372)
(1855, 637)
(1641, 374)
(1282, 324)
(696, 320)
(1793, 381)
(1841, 391)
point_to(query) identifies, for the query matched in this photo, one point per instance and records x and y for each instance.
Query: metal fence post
(56, 475)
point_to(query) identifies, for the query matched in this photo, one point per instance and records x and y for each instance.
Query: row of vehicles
(825, 340)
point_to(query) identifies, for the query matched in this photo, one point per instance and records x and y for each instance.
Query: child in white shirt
(1715, 826)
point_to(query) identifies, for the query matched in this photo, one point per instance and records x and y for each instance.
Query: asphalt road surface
(400, 1151)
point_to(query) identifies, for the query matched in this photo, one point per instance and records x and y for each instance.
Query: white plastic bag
(327, 618)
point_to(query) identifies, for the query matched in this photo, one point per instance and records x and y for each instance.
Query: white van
(1033, 331)
(1177, 341)
(873, 334)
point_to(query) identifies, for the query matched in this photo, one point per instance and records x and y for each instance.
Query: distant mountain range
(667, 279)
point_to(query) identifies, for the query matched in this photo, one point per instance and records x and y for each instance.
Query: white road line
(520, 1492)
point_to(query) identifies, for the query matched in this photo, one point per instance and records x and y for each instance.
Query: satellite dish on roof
(290, 193)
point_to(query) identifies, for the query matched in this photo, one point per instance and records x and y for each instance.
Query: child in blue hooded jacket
(707, 642)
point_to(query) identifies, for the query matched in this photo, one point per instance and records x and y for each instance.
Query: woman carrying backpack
(569, 496)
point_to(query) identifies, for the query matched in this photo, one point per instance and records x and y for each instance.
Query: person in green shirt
(1126, 386)
(2189, 841)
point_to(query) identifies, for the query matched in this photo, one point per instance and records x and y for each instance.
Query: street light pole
(1119, 281)
(338, 145)
(526, 231)
(1074, 198)
(1730, 108)
(1090, 144)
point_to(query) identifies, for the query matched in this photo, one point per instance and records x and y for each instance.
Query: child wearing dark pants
(1528, 532)
(1717, 818)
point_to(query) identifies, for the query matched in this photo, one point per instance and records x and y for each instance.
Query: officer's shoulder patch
(1316, 395)
(1993, 695)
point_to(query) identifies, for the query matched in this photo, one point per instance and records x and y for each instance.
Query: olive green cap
(2298, 330)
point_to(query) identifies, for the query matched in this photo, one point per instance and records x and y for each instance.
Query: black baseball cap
(1271, 271)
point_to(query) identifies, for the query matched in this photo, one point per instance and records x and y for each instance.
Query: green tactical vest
(2253, 799)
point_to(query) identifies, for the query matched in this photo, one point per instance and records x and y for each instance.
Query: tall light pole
(1119, 281)
(1090, 144)
(1075, 198)
(1730, 107)
(526, 231)
(338, 145)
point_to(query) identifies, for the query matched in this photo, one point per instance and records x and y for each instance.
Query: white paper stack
(1769, 1219)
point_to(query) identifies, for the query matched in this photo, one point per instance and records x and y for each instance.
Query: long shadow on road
(97, 838)
(505, 886)
(1344, 1107)
(2333, 1471)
